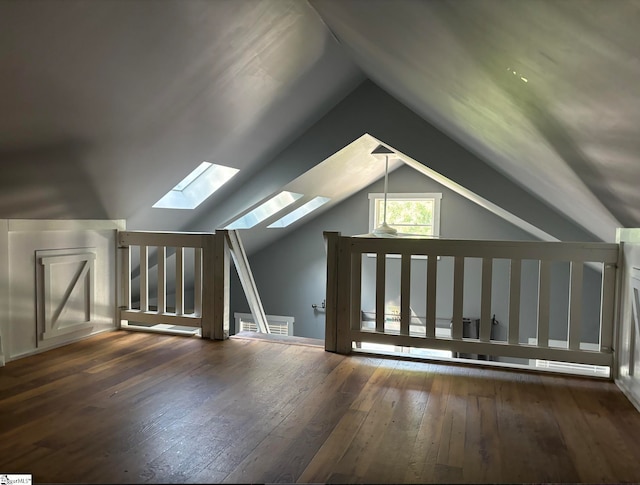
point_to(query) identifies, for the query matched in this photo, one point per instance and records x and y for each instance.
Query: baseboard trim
(626, 390)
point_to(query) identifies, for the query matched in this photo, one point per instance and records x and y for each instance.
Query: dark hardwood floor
(134, 407)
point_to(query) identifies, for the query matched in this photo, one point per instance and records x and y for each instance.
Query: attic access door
(65, 285)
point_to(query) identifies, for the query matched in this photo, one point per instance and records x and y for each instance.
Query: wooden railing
(210, 278)
(344, 325)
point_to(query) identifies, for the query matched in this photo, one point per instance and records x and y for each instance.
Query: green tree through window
(416, 214)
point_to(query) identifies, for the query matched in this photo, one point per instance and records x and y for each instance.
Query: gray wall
(290, 274)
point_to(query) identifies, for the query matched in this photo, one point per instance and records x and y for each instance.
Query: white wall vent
(279, 325)
(570, 367)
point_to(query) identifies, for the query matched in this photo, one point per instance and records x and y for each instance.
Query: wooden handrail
(344, 280)
(210, 278)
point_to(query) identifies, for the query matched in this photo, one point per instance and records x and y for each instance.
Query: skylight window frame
(245, 222)
(193, 190)
(300, 212)
(191, 178)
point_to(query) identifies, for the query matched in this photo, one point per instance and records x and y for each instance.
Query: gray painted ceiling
(105, 105)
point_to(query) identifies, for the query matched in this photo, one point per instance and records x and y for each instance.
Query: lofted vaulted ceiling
(105, 105)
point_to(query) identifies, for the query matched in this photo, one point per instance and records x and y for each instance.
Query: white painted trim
(247, 281)
(144, 278)
(18, 225)
(162, 280)
(179, 281)
(169, 239)
(515, 273)
(473, 346)
(622, 384)
(154, 317)
(56, 345)
(436, 196)
(164, 328)
(197, 280)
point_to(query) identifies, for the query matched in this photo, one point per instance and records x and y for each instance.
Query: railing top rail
(159, 238)
(560, 251)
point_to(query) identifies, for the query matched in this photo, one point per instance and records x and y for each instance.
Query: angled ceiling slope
(369, 109)
(544, 91)
(343, 174)
(106, 105)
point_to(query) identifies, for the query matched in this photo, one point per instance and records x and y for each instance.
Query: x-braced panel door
(65, 281)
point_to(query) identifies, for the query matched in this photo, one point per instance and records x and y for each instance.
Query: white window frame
(196, 187)
(435, 196)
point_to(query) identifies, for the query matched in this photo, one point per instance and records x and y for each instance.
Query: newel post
(221, 271)
(215, 286)
(337, 314)
(345, 295)
(330, 328)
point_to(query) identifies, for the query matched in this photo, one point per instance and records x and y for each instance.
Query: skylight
(196, 187)
(300, 212)
(265, 210)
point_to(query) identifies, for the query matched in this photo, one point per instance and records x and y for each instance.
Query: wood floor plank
(333, 449)
(408, 397)
(129, 407)
(519, 456)
(424, 456)
(581, 446)
(451, 450)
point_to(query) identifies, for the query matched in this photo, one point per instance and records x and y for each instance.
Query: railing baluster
(209, 287)
(197, 281)
(381, 265)
(543, 303)
(211, 314)
(545, 253)
(485, 305)
(356, 289)
(126, 277)
(575, 304)
(458, 296)
(162, 279)
(219, 275)
(432, 271)
(515, 276)
(405, 294)
(607, 305)
(179, 281)
(144, 278)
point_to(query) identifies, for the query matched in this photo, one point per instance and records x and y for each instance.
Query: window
(265, 210)
(415, 214)
(194, 189)
(300, 212)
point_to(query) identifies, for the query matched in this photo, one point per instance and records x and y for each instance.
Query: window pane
(410, 211)
(417, 230)
(409, 216)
